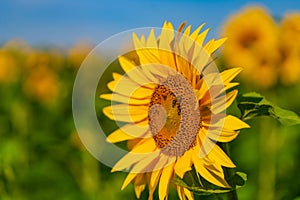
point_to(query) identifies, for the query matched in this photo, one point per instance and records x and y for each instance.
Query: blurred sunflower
(8, 67)
(290, 48)
(52, 58)
(252, 44)
(174, 113)
(42, 84)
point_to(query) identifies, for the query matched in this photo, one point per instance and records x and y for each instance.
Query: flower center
(174, 117)
(248, 39)
(164, 120)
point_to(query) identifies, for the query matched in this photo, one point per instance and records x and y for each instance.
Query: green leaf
(203, 187)
(253, 105)
(238, 179)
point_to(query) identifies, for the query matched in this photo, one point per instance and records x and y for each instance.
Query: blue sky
(56, 22)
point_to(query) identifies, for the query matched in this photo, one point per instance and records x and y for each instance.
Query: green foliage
(202, 187)
(41, 156)
(253, 105)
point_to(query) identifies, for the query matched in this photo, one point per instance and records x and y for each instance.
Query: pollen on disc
(182, 116)
(157, 114)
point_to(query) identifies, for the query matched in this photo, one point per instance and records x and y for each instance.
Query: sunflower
(290, 48)
(253, 44)
(173, 105)
(8, 67)
(42, 84)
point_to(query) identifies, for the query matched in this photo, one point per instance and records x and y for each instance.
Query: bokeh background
(42, 44)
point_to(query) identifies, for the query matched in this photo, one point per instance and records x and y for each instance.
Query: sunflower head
(252, 44)
(290, 48)
(42, 84)
(8, 67)
(173, 102)
(290, 30)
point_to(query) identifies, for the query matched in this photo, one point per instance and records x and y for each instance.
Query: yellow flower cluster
(268, 51)
(38, 70)
(290, 48)
(8, 69)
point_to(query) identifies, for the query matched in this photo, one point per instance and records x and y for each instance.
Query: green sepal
(199, 186)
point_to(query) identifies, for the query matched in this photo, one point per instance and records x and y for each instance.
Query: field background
(42, 45)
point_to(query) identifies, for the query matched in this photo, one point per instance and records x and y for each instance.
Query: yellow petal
(195, 56)
(154, 177)
(188, 194)
(166, 36)
(234, 123)
(183, 164)
(187, 30)
(228, 122)
(147, 163)
(139, 184)
(222, 135)
(164, 182)
(229, 86)
(209, 175)
(128, 180)
(201, 37)
(151, 41)
(146, 145)
(230, 97)
(128, 87)
(160, 164)
(143, 40)
(138, 190)
(180, 192)
(183, 47)
(183, 193)
(128, 132)
(213, 45)
(126, 64)
(126, 113)
(217, 172)
(205, 143)
(219, 156)
(134, 72)
(194, 35)
(127, 161)
(160, 71)
(167, 58)
(116, 76)
(183, 66)
(139, 158)
(124, 99)
(179, 30)
(148, 56)
(165, 49)
(153, 181)
(223, 102)
(140, 179)
(230, 74)
(145, 54)
(138, 76)
(146, 70)
(187, 42)
(210, 95)
(209, 87)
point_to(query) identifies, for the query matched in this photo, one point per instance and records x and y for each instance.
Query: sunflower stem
(229, 172)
